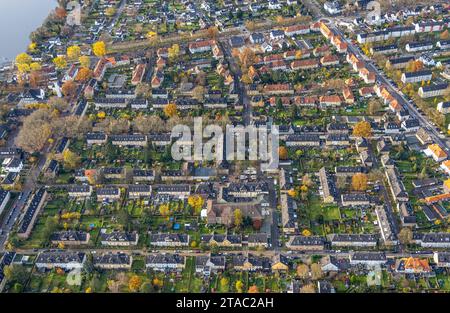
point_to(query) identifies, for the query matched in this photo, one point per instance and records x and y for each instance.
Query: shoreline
(24, 39)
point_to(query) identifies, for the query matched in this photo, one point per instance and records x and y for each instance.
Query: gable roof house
(70, 237)
(66, 260)
(118, 238)
(304, 243)
(113, 260)
(165, 262)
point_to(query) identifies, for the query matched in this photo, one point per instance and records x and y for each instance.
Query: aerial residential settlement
(93, 198)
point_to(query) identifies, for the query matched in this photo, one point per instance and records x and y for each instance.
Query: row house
(165, 262)
(274, 89)
(250, 263)
(295, 30)
(139, 104)
(113, 261)
(436, 90)
(443, 107)
(176, 190)
(399, 62)
(129, 140)
(118, 238)
(396, 185)
(348, 95)
(368, 258)
(201, 46)
(31, 212)
(223, 241)
(138, 74)
(70, 237)
(306, 243)
(329, 60)
(304, 64)
(288, 214)
(110, 103)
(328, 186)
(143, 175)
(419, 46)
(79, 191)
(368, 76)
(429, 26)
(169, 240)
(210, 264)
(96, 138)
(330, 101)
(301, 140)
(355, 199)
(139, 191)
(341, 140)
(66, 260)
(108, 193)
(386, 49)
(353, 240)
(436, 152)
(416, 77)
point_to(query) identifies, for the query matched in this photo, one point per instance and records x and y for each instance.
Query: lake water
(18, 18)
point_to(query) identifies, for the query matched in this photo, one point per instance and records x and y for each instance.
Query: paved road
(381, 78)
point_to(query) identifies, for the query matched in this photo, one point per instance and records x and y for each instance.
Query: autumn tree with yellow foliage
(85, 61)
(359, 182)
(60, 62)
(196, 202)
(362, 129)
(170, 110)
(73, 53)
(99, 48)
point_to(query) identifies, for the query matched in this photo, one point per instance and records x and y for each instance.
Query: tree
(99, 48)
(212, 32)
(316, 271)
(253, 289)
(237, 217)
(359, 182)
(224, 283)
(282, 153)
(60, 62)
(110, 11)
(85, 61)
(35, 131)
(69, 88)
(15, 273)
(445, 35)
(239, 286)
(23, 58)
(35, 66)
(71, 159)
(170, 110)
(173, 52)
(83, 74)
(405, 236)
(292, 193)
(247, 58)
(164, 209)
(374, 106)
(414, 66)
(302, 271)
(306, 180)
(151, 35)
(56, 103)
(362, 129)
(196, 202)
(73, 53)
(308, 289)
(198, 93)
